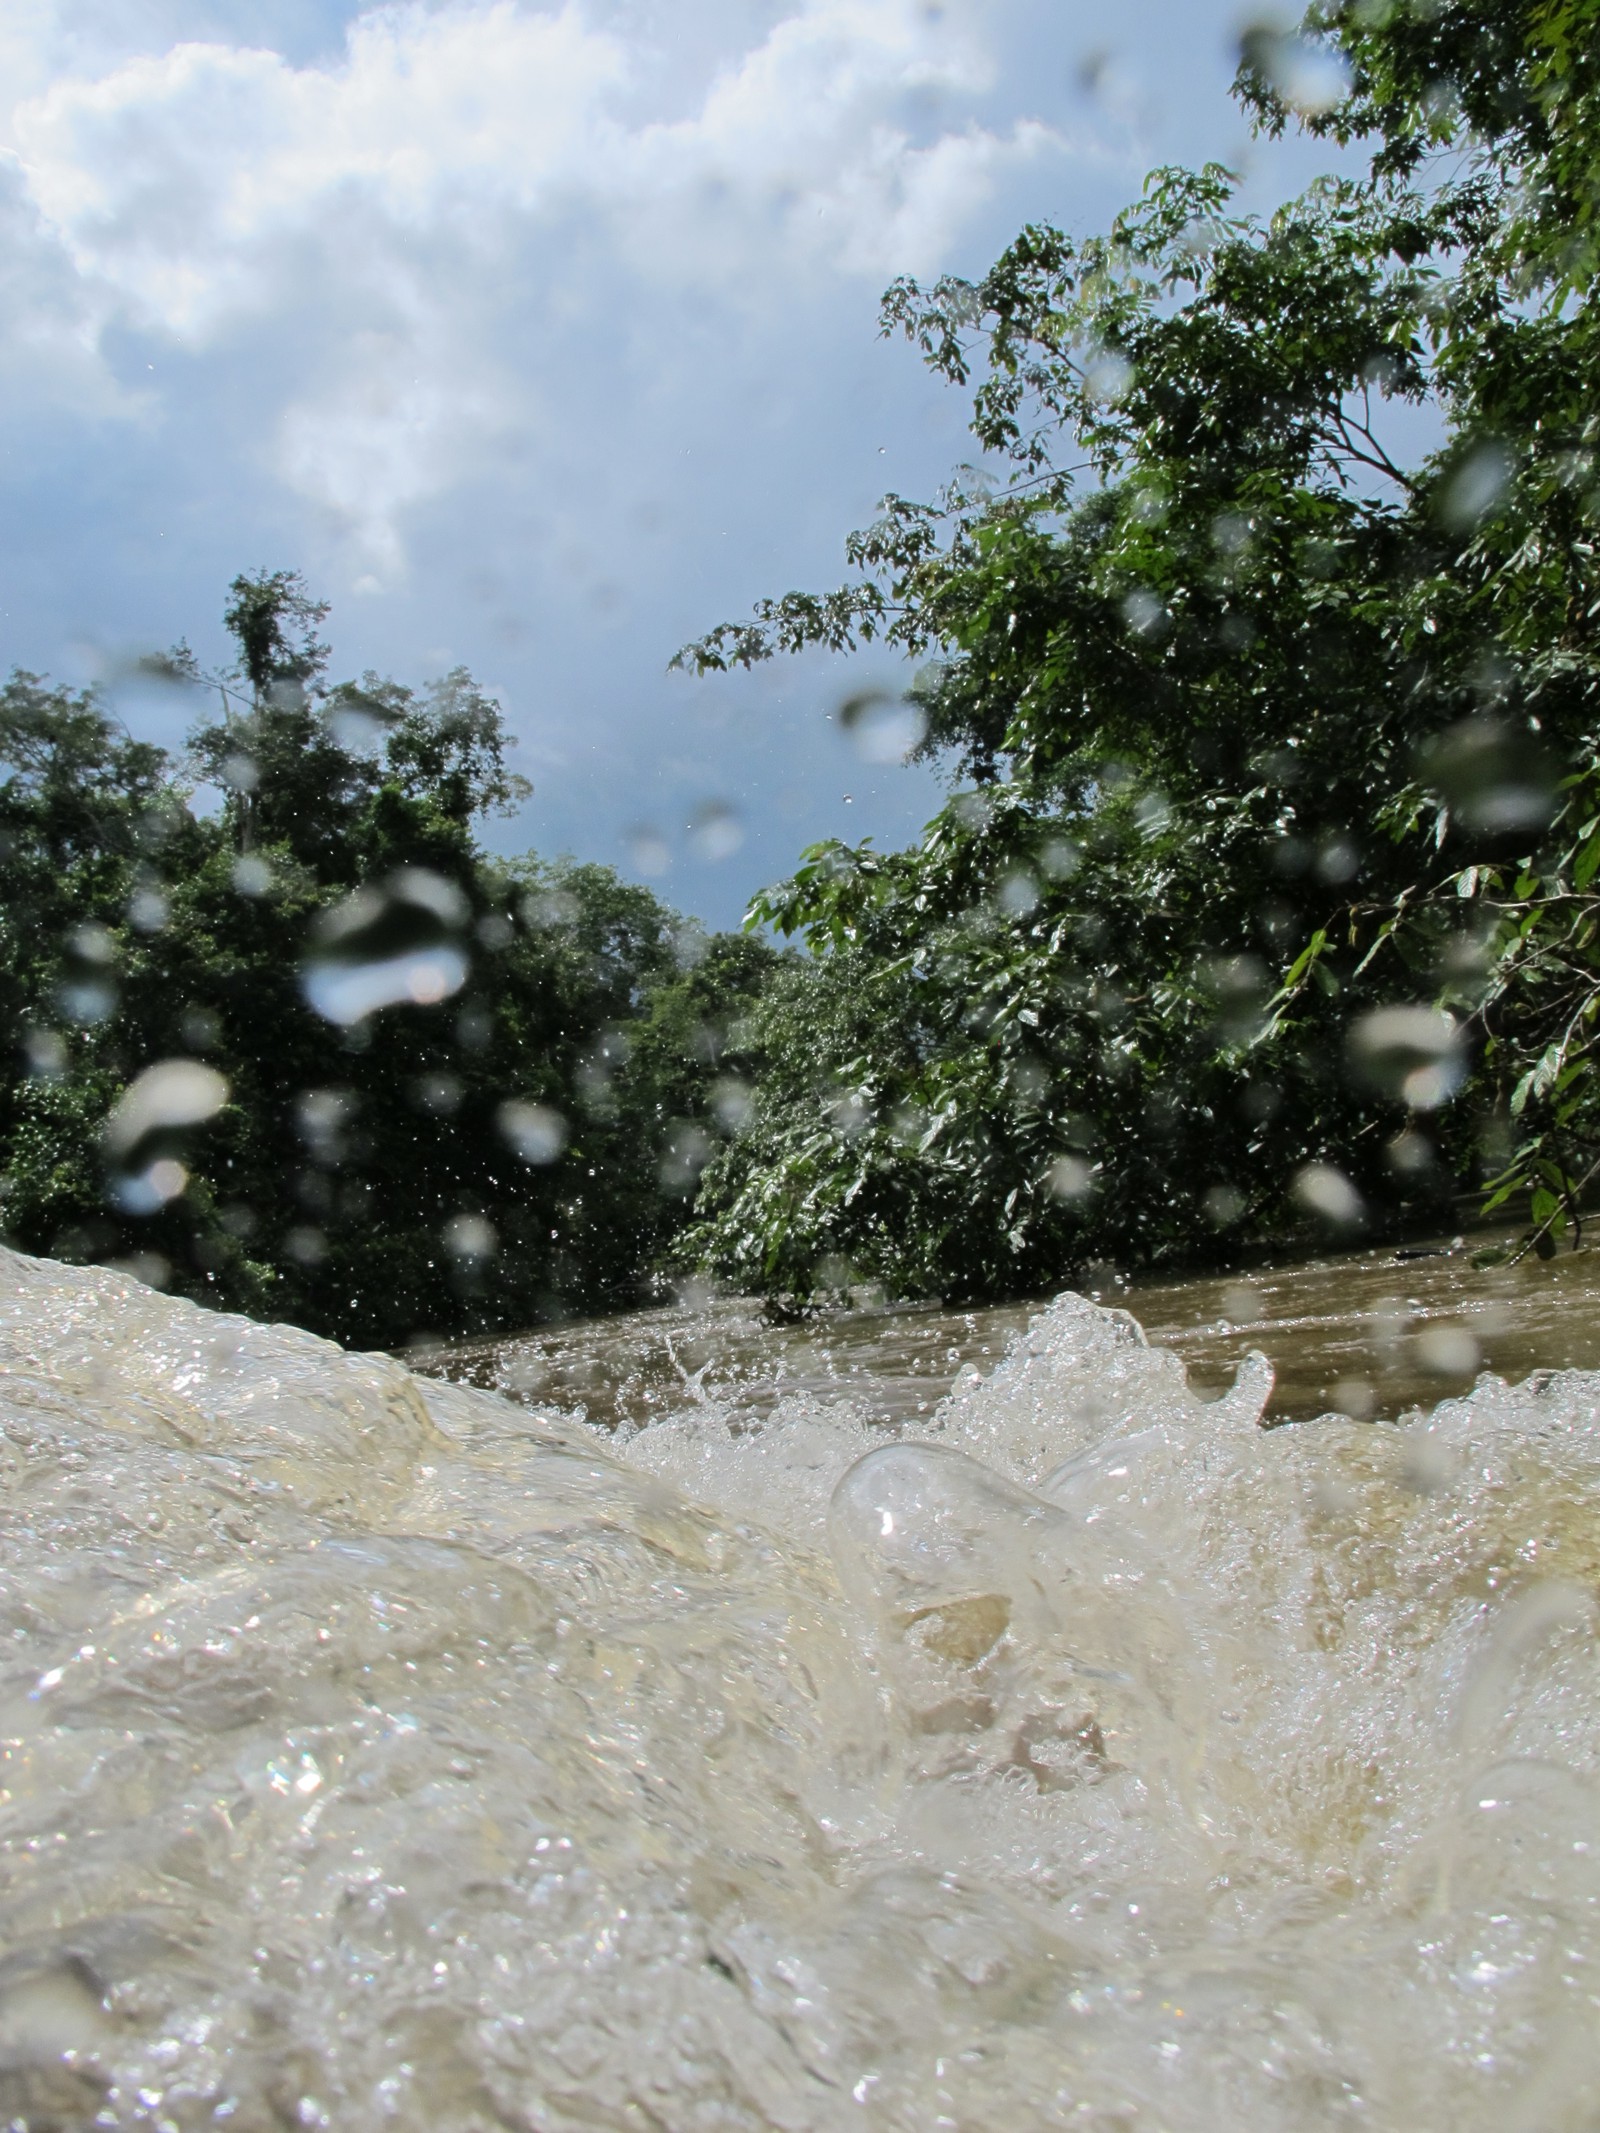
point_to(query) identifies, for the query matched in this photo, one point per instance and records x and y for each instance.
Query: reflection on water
(1369, 1335)
(378, 1755)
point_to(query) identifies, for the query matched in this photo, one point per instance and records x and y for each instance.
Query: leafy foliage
(1274, 600)
(514, 1137)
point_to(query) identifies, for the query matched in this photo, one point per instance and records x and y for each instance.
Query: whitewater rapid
(378, 1754)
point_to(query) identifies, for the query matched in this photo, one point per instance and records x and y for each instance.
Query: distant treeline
(312, 1053)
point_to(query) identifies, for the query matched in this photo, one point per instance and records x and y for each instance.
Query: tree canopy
(311, 1052)
(1260, 642)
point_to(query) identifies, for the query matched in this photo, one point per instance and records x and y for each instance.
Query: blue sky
(540, 338)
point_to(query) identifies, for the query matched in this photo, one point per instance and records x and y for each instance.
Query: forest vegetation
(1261, 644)
(1258, 645)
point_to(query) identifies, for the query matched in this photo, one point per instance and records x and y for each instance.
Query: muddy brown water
(1370, 1334)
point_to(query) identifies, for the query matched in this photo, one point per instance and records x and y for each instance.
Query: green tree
(434, 1119)
(1313, 711)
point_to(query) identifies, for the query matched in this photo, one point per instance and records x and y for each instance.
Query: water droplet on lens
(396, 943)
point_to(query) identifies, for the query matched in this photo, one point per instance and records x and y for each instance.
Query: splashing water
(378, 1754)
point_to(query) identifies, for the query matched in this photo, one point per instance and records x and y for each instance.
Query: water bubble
(883, 728)
(1059, 858)
(715, 831)
(252, 875)
(395, 943)
(1329, 1193)
(536, 1132)
(305, 1245)
(1413, 1053)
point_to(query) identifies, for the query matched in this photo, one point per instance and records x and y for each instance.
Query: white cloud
(387, 212)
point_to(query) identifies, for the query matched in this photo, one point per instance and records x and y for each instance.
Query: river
(914, 1720)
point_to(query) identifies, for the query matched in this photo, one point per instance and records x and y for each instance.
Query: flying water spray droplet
(398, 942)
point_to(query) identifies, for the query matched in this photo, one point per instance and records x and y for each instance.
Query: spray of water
(378, 1754)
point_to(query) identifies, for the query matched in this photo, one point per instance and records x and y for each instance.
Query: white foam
(381, 1755)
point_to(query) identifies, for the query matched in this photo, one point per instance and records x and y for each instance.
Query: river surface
(1369, 1334)
(905, 1722)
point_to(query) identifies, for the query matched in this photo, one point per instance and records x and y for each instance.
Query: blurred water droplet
(46, 1053)
(537, 1132)
(1450, 1351)
(1069, 1179)
(470, 1237)
(688, 1150)
(397, 942)
(1329, 1193)
(1492, 776)
(1018, 893)
(1414, 1054)
(148, 910)
(883, 728)
(322, 1115)
(438, 1093)
(199, 1028)
(715, 831)
(731, 1099)
(1478, 485)
(1224, 1204)
(252, 876)
(648, 849)
(166, 1097)
(1107, 375)
(1310, 78)
(1144, 612)
(239, 772)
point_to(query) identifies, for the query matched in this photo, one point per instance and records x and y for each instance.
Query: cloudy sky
(540, 338)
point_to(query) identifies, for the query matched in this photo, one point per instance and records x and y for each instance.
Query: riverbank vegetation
(1261, 644)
